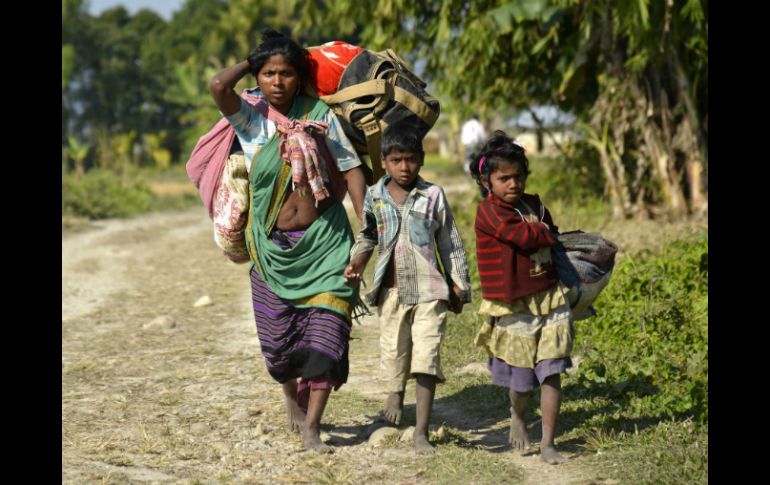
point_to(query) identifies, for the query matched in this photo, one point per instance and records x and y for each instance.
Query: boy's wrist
(360, 258)
(361, 248)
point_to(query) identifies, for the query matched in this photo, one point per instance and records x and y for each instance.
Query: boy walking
(410, 220)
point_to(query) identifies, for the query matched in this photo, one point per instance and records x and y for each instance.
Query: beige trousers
(410, 339)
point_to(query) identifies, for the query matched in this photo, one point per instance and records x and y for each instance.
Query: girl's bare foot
(549, 455)
(394, 407)
(518, 436)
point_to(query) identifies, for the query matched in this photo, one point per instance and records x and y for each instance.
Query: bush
(574, 180)
(647, 350)
(100, 194)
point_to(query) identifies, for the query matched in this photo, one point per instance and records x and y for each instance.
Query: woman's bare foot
(549, 455)
(311, 440)
(296, 416)
(422, 446)
(394, 407)
(518, 436)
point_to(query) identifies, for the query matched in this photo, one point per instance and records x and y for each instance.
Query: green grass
(647, 349)
(458, 463)
(673, 452)
(475, 397)
(346, 404)
(101, 194)
(572, 193)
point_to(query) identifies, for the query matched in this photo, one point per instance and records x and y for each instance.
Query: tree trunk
(639, 190)
(694, 144)
(698, 200)
(686, 139)
(612, 186)
(543, 130)
(673, 198)
(620, 173)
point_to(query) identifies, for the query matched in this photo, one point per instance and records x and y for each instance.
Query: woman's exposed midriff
(299, 211)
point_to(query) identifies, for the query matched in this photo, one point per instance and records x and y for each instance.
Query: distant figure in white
(472, 136)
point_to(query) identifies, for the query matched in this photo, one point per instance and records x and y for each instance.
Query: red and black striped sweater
(504, 243)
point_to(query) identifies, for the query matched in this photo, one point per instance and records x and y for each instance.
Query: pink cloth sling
(210, 154)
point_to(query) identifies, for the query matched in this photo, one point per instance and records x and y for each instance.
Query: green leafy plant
(100, 194)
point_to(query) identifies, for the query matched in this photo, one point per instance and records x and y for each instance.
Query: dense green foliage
(635, 73)
(647, 350)
(134, 85)
(100, 194)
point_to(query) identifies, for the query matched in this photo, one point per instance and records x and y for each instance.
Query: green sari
(311, 273)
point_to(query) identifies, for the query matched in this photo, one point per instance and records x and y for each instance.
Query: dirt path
(158, 390)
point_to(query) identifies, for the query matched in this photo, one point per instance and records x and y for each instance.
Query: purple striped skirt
(311, 343)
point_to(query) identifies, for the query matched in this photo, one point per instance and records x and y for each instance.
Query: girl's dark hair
(499, 147)
(275, 43)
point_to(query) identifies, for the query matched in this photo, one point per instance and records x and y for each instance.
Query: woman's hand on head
(222, 88)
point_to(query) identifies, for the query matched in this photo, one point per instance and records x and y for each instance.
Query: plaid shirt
(413, 232)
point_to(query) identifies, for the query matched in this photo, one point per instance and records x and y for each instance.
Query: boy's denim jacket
(415, 232)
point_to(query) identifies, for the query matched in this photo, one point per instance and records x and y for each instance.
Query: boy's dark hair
(401, 137)
(499, 147)
(275, 43)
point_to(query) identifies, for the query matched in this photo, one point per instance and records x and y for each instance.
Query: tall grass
(101, 194)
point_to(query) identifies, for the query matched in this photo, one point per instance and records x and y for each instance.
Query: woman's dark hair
(499, 147)
(275, 43)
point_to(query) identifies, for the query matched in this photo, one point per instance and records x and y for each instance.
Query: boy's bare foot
(422, 446)
(311, 440)
(394, 407)
(549, 455)
(518, 436)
